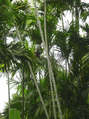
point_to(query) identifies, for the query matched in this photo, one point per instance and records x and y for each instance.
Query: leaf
(14, 114)
(1, 66)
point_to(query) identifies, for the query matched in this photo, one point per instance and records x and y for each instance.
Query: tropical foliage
(50, 55)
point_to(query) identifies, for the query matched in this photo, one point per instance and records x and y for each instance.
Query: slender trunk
(38, 90)
(19, 37)
(77, 18)
(53, 99)
(62, 22)
(49, 63)
(51, 85)
(51, 75)
(23, 94)
(8, 95)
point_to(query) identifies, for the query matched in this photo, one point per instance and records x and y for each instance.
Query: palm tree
(39, 26)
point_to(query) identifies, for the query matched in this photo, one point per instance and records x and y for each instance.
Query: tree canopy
(50, 55)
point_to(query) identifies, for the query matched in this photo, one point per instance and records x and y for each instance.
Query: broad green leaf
(14, 114)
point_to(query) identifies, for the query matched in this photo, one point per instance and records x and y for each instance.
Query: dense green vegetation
(50, 56)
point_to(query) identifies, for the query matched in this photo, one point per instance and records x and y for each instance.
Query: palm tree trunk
(23, 105)
(49, 63)
(38, 90)
(77, 19)
(62, 22)
(23, 94)
(8, 95)
(51, 85)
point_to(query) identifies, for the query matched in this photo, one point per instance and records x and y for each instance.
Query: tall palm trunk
(51, 85)
(48, 59)
(23, 105)
(23, 93)
(76, 18)
(8, 95)
(38, 90)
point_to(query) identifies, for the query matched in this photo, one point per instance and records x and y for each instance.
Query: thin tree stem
(51, 86)
(50, 67)
(38, 90)
(23, 92)
(62, 21)
(8, 95)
